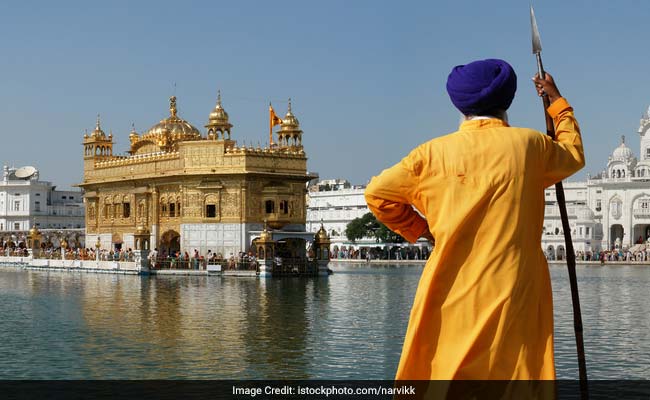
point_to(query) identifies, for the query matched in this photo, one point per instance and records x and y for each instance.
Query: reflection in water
(616, 319)
(277, 318)
(348, 326)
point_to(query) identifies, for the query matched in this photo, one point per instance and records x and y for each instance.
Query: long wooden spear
(559, 192)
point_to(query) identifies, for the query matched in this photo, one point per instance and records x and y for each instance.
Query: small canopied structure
(97, 144)
(265, 245)
(622, 162)
(141, 238)
(218, 122)
(290, 135)
(322, 244)
(34, 240)
(266, 250)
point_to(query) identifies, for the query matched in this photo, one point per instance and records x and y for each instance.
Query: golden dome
(34, 231)
(218, 115)
(290, 122)
(98, 132)
(266, 236)
(171, 130)
(218, 121)
(133, 136)
(321, 235)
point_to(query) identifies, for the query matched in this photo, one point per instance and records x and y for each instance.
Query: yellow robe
(483, 308)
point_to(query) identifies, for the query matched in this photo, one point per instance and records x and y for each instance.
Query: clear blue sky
(367, 78)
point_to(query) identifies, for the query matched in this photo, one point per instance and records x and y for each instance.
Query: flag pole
(270, 125)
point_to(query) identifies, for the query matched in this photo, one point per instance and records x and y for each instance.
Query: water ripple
(349, 326)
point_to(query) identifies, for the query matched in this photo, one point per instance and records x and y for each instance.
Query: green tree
(368, 226)
(355, 229)
(387, 236)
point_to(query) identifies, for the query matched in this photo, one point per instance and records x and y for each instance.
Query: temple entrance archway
(616, 233)
(550, 253)
(117, 241)
(170, 241)
(641, 233)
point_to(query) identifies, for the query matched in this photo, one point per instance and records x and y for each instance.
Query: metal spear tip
(537, 42)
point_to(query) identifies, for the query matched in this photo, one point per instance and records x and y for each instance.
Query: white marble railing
(641, 212)
(554, 211)
(126, 267)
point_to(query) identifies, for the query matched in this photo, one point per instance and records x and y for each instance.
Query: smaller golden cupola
(290, 134)
(133, 136)
(218, 122)
(322, 244)
(97, 144)
(321, 235)
(98, 133)
(266, 235)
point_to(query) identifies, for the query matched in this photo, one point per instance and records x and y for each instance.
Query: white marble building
(336, 203)
(609, 210)
(26, 201)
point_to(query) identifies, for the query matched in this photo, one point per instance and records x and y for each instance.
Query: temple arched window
(211, 205)
(284, 207)
(644, 203)
(269, 206)
(163, 207)
(126, 207)
(172, 209)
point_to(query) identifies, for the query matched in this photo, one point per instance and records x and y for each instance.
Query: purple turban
(482, 86)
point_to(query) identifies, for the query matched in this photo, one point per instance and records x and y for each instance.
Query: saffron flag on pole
(274, 120)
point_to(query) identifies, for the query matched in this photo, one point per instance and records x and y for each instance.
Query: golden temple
(184, 190)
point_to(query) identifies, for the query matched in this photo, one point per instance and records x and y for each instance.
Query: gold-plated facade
(176, 181)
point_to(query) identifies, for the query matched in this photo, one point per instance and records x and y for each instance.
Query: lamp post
(98, 246)
(64, 246)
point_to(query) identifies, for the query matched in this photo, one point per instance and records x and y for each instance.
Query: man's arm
(389, 197)
(565, 155)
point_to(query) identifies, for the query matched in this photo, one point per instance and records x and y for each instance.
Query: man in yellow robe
(483, 308)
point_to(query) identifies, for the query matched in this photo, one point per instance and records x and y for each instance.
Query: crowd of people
(378, 253)
(175, 259)
(614, 255)
(163, 259)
